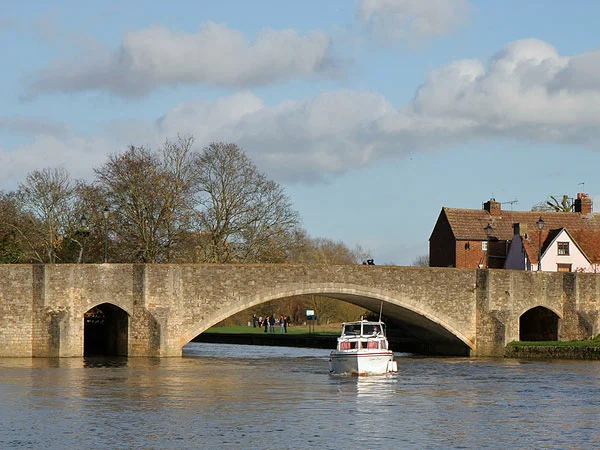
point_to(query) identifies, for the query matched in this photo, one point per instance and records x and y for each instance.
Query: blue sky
(373, 114)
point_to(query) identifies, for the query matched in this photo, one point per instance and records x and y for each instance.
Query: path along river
(230, 397)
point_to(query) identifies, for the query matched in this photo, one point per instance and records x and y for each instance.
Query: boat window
(372, 329)
(369, 344)
(350, 329)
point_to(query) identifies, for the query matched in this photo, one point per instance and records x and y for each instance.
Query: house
(491, 237)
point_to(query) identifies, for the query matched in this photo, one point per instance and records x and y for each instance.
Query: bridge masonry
(42, 307)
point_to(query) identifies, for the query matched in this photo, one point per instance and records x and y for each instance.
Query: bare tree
(90, 202)
(48, 195)
(555, 205)
(177, 165)
(421, 261)
(19, 237)
(332, 310)
(150, 193)
(245, 215)
(325, 251)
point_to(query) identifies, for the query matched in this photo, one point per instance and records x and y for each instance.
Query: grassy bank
(588, 343)
(297, 330)
(297, 336)
(589, 349)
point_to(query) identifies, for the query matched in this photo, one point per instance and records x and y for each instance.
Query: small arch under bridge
(43, 307)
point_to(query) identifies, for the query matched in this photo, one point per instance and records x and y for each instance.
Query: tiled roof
(469, 224)
(532, 249)
(589, 241)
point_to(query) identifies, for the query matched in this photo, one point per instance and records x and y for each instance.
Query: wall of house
(516, 258)
(551, 258)
(469, 255)
(497, 253)
(442, 251)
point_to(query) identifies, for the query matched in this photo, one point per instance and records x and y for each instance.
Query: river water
(234, 397)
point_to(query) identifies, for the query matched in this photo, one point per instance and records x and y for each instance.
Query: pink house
(558, 252)
(494, 238)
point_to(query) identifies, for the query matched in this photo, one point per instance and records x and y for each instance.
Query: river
(220, 396)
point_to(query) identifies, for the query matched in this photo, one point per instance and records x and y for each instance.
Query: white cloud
(215, 55)
(204, 118)
(77, 154)
(582, 73)
(305, 139)
(522, 92)
(412, 20)
(527, 90)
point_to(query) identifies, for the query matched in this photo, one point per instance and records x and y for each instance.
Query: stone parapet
(42, 307)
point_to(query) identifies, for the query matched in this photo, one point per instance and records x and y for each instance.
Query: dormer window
(563, 249)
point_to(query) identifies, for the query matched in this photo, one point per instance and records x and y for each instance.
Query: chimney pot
(583, 204)
(493, 207)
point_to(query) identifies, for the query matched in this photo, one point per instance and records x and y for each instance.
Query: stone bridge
(154, 310)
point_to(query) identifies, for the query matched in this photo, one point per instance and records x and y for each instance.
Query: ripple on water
(226, 396)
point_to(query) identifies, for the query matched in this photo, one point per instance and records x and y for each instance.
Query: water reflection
(220, 396)
(101, 361)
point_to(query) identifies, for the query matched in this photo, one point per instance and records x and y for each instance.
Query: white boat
(362, 349)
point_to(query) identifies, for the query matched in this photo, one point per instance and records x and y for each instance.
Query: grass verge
(589, 343)
(320, 330)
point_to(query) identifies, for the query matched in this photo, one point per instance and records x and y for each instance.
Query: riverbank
(270, 339)
(584, 350)
(296, 336)
(326, 337)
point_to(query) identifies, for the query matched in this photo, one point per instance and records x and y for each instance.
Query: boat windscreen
(351, 329)
(373, 330)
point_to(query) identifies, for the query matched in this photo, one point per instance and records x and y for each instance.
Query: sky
(372, 114)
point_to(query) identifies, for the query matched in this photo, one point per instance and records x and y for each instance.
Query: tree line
(171, 205)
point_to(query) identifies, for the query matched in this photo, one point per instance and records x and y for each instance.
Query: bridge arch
(396, 307)
(105, 330)
(539, 323)
(548, 307)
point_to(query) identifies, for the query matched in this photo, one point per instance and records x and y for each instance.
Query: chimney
(493, 207)
(583, 204)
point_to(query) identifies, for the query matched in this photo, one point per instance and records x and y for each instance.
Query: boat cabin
(362, 335)
(361, 328)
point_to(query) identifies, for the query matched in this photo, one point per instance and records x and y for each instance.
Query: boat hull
(362, 363)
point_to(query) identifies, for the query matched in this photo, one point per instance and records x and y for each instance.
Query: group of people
(270, 323)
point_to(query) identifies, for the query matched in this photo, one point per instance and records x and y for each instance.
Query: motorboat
(362, 349)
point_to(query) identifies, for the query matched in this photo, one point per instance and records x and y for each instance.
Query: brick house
(566, 242)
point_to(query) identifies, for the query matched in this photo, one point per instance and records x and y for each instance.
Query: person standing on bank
(281, 324)
(272, 324)
(266, 324)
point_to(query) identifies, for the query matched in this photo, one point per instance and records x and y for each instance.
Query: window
(563, 248)
(484, 246)
(563, 267)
